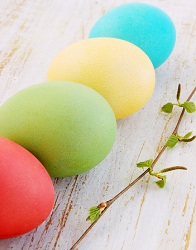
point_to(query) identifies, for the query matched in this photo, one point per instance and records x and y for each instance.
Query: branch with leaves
(162, 181)
(96, 212)
(188, 106)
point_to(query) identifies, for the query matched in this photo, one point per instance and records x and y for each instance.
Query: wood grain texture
(145, 218)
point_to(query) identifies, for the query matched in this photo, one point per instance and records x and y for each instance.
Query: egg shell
(69, 127)
(120, 71)
(144, 25)
(26, 190)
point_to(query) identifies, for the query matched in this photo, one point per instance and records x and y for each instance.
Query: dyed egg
(26, 190)
(144, 25)
(69, 127)
(121, 72)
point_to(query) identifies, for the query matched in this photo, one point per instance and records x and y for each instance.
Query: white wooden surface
(145, 218)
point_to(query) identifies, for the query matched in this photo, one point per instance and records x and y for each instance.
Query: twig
(111, 201)
(182, 113)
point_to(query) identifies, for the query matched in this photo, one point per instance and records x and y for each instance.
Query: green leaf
(94, 213)
(167, 108)
(187, 135)
(162, 182)
(189, 106)
(143, 164)
(88, 218)
(172, 141)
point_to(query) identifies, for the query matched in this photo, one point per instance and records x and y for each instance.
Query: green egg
(69, 127)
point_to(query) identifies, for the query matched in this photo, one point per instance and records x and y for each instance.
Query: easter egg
(26, 190)
(120, 71)
(144, 25)
(69, 127)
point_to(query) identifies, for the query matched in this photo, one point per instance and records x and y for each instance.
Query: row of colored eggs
(68, 126)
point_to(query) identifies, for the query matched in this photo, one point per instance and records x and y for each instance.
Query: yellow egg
(120, 71)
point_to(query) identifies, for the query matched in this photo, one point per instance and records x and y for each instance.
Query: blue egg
(144, 25)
